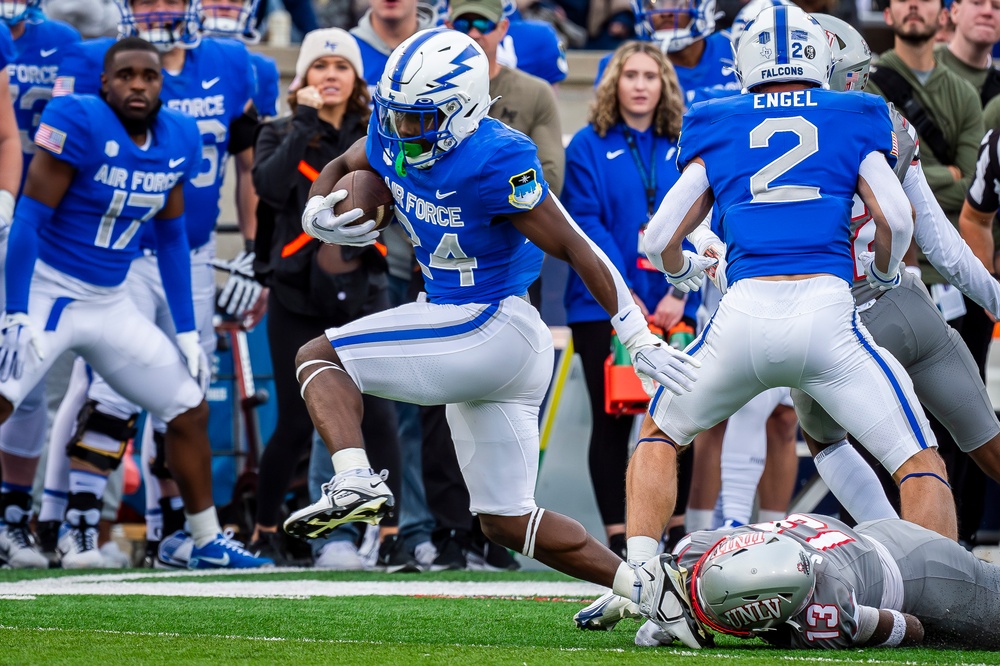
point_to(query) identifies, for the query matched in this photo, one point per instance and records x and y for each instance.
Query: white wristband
(898, 630)
(629, 323)
(6, 206)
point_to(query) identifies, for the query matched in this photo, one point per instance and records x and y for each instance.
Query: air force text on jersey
(788, 98)
(147, 181)
(409, 204)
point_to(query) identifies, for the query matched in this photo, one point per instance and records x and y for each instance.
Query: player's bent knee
(317, 349)
(194, 419)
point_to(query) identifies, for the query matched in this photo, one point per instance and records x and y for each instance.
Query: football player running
(811, 582)
(212, 81)
(107, 165)
(470, 193)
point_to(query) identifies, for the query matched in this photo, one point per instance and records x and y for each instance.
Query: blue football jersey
(213, 87)
(267, 90)
(784, 169)
(32, 74)
(456, 213)
(94, 233)
(537, 49)
(374, 61)
(7, 52)
(713, 75)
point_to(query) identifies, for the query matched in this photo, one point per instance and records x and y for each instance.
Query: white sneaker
(339, 556)
(114, 558)
(175, 551)
(663, 598)
(78, 547)
(606, 612)
(425, 554)
(650, 635)
(18, 548)
(357, 496)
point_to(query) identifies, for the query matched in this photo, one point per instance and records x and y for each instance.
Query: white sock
(696, 520)
(81, 481)
(853, 482)
(641, 549)
(770, 516)
(624, 584)
(53, 506)
(348, 459)
(204, 526)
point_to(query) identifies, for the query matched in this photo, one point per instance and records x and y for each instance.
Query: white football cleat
(663, 599)
(358, 496)
(18, 548)
(78, 547)
(606, 612)
(650, 635)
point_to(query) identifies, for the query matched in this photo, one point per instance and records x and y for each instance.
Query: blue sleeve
(511, 180)
(880, 136)
(268, 89)
(601, 66)
(77, 74)
(64, 131)
(7, 52)
(22, 250)
(174, 260)
(581, 195)
(691, 142)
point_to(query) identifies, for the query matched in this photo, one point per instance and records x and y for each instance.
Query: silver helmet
(852, 57)
(751, 582)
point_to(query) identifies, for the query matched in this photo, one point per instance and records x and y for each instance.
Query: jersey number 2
(760, 182)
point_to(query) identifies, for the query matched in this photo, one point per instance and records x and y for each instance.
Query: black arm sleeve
(241, 131)
(277, 155)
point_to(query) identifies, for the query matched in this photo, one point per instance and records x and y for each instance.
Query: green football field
(312, 617)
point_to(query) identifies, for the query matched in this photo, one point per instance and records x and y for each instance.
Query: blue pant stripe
(426, 333)
(897, 389)
(57, 309)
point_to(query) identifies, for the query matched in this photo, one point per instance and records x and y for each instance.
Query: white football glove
(241, 290)
(656, 361)
(718, 273)
(692, 274)
(189, 343)
(320, 222)
(874, 276)
(19, 340)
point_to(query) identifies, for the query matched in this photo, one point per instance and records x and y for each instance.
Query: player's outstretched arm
(682, 210)
(880, 190)
(945, 248)
(892, 629)
(552, 229)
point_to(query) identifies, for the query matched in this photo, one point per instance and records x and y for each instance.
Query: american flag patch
(852, 78)
(895, 145)
(64, 85)
(53, 140)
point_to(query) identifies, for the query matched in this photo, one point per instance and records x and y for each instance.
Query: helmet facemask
(15, 11)
(674, 24)
(164, 30)
(232, 20)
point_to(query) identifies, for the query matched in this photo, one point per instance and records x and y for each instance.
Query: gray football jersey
(862, 227)
(848, 574)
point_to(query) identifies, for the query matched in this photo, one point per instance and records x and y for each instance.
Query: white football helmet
(234, 20)
(164, 30)
(852, 58)
(751, 582)
(749, 13)
(783, 44)
(15, 11)
(438, 82)
(663, 22)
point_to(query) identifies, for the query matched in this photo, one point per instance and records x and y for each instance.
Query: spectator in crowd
(384, 27)
(618, 168)
(313, 284)
(609, 23)
(93, 18)
(301, 12)
(542, 52)
(947, 114)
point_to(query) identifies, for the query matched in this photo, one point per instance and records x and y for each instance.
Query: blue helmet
(230, 19)
(15, 11)
(663, 22)
(164, 30)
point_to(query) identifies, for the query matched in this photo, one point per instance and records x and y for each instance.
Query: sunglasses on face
(465, 25)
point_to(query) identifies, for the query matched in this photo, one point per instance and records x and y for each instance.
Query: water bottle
(680, 336)
(279, 28)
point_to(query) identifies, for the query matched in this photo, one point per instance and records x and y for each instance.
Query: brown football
(367, 191)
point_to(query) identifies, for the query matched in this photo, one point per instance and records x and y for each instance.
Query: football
(367, 191)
